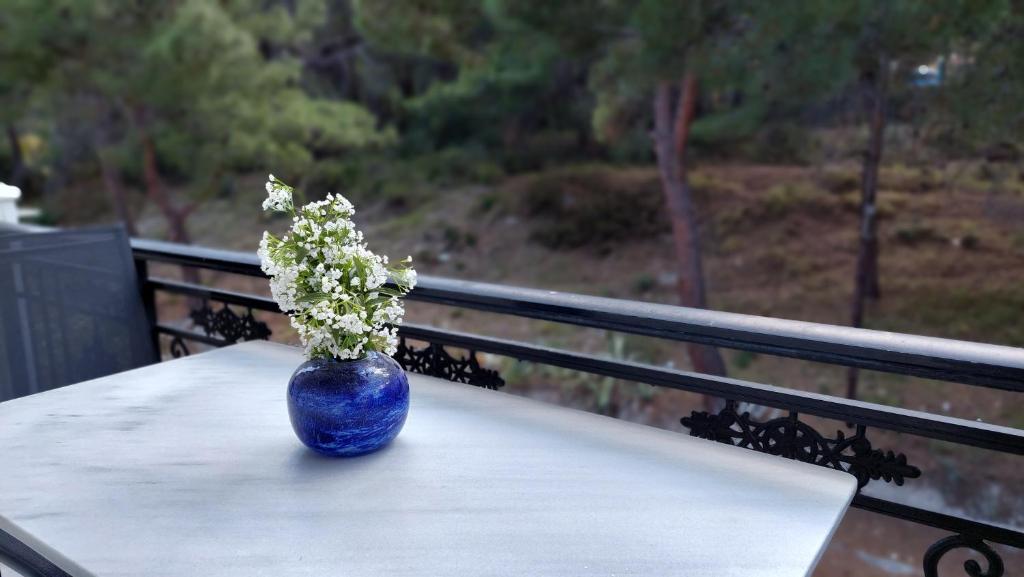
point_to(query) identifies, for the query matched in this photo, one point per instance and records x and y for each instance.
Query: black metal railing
(974, 364)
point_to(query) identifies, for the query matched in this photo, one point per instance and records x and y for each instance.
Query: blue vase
(348, 408)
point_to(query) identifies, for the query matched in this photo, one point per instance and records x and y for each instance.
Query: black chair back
(70, 310)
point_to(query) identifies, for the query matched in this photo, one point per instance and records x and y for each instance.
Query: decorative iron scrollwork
(434, 360)
(179, 348)
(971, 567)
(793, 439)
(228, 324)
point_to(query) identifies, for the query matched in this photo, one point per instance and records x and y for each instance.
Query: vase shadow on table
(307, 462)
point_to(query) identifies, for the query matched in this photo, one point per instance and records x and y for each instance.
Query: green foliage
(980, 105)
(28, 52)
(839, 180)
(1017, 241)
(591, 206)
(512, 80)
(647, 42)
(279, 25)
(744, 359)
(490, 100)
(238, 101)
(917, 233)
(973, 314)
(322, 275)
(910, 179)
(782, 199)
(441, 29)
(776, 204)
(603, 395)
(621, 105)
(469, 90)
(401, 182)
(730, 125)
(808, 53)
(645, 283)
(214, 86)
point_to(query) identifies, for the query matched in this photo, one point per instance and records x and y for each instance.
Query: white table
(190, 468)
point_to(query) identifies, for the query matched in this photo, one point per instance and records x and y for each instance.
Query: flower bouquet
(350, 397)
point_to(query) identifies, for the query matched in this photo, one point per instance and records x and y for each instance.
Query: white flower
(328, 282)
(279, 195)
(406, 277)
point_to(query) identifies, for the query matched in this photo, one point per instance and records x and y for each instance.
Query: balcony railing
(973, 364)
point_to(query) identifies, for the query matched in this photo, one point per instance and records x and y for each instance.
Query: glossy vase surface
(348, 408)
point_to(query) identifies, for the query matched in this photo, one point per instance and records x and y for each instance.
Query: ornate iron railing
(974, 364)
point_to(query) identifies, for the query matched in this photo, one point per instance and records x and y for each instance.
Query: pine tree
(194, 89)
(660, 53)
(875, 46)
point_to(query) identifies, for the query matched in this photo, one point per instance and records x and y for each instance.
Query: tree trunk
(115, 190)
(155, 189)
(670, 140)
(18, 170)
(866, 285)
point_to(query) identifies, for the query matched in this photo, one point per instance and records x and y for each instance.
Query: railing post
(148, 302)
(9, 196)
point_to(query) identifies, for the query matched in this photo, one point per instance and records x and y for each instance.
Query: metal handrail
(974, 364)
(988, 365)
(940, 427)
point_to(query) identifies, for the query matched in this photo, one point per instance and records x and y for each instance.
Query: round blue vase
(348, 408)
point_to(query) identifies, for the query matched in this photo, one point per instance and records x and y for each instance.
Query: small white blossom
(334, 289)
(279, 195)
(406, 277)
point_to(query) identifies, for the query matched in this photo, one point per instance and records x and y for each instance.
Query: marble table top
(190, 467)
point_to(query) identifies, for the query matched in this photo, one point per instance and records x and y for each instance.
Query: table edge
(48, 562)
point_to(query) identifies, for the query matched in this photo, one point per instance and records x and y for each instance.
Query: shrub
(743, 359)
(706, 187)
(632, 147)
(1017, 241)
(781, 199)
(780, 143)
(901, 177)
(839, 180)
(970, 241)
(913, 234)
(458, 165)
(644, 283)
(541, 150)
(402, 181)
(592, 206)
